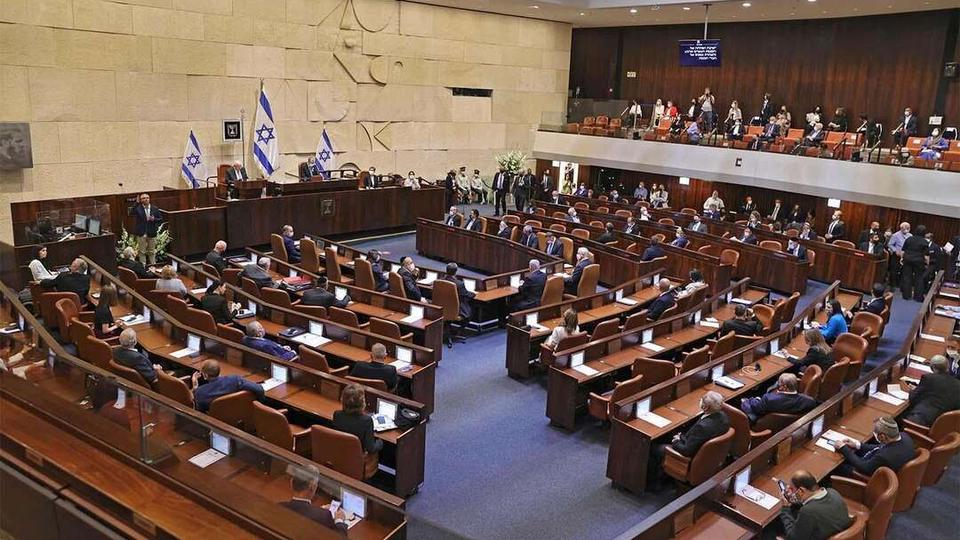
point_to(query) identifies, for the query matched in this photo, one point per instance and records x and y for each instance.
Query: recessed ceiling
(584, 13)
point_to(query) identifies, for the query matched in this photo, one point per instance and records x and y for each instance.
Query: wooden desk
(316, 184)
(101, 249)
(195, 230)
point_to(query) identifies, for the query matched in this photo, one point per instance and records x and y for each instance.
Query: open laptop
(386, 413)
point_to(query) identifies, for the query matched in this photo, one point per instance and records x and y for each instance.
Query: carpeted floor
(496, 469)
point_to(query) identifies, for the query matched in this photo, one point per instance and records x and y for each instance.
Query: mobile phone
(756, 366)
(782, 486)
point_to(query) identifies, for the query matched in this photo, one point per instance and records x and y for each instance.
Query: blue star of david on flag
(326, 160)
(192, 168)
(264, 138)
(266, 146)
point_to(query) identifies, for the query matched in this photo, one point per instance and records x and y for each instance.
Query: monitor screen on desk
(278, 372)
(354, 503)
(94, 227)
(193, 342)
(404, 354)
(339, 292)
(316, 328)
(576, 359)
(387, 408)
(816, 427)
(80, 222)
(220, 443)
(742, 480)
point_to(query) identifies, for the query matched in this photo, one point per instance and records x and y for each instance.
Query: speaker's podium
(248, 189)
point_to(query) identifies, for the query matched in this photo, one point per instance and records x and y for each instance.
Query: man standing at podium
(146, 222)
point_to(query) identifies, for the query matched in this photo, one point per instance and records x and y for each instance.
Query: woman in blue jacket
(836, 324)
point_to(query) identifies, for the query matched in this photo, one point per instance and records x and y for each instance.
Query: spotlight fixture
(746, 4)
(686, 8)
(633, 10)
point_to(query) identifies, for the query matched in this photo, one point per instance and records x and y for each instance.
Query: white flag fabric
(266, 146)
(326, 160)
(192, 167)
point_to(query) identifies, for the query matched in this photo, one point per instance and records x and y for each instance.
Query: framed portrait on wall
(16, 151)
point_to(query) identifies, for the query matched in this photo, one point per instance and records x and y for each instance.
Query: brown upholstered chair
(77, 331)
(316, 360)
(552, 290)
(174, 388)
(868, 326)
(345, 317)
(558, 227)
(744, 437)
(127, 276)
(910, 476)
(623, 213)
(774, 422)
(845, 243)
(705, 463)
(854, 348)
(97, 352)
(581, 233)
(811, 256)
(232, 276)
(730, 257)
(765, 313)
(873, 500)
(276, 297)
(580, 205)
(47, 302)
(688, 211)
(833, 379)
(635, 320)
(230, 333)
(854, 532)
(201, 320)
(341, 452)
(941, 454)
(445, 296)
(568, 252)
(946, 423)
(389, 329)
(272, 426)
(588, 282)
(723, 345)
(569, 342)
(206, 267)
(694, 359)
(600, 405)
(810, 381)
(666, 221)
(250, 287)
(363, 274)
(333, 267)
(772, 245)
(372, 383)
(790, 307)
(660, 237)
(309, 256)
(318, 312)
(654, 371)
(396, 285)
(235, 409)
(278, 248)
(129, 374)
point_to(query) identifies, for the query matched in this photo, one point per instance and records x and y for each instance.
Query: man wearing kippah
(890, 448)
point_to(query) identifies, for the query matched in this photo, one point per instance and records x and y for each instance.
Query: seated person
(644, 214)
(408, 273)
(818, 351)
(663, 302)
(208, 385)
(794, 248)
(769, 134)
(473, 222)
(320, 296)
(815, 137)
(553, 247)
(572, 215)
(572, 281)
(631, 227)
(293, 252)
(255, 340)
(784, 399)
(376, 368)
(607, 234)
(215, 303)
(653, 251)
(169, 281)
(532, 288)
(681, 240)
(565, 330)
(303, 484)
(696, 225)
(258, 273)
(892, 449)
(581, 191)
(712, 213)
(104, 325)
(815, 512)
(378, 267)
(76, 280)
(713, 423)
(807, 232)
(836, 324)
(747, 237)
(696, 283)
(743, 323)
(412, 181)
(736, 131)
(453, 217)
(934, 146)
(353, 419)
(215, 257)
(309, 168)
(528, 237)
(693, 133)
(128, 260)
(465, 296)
(937, 393)
(873, 245)
(504, 230)
(127, 355)
(38, 270)
(875, 305)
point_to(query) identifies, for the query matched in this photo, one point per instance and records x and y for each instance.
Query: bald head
(711, 402)
(663, 285)
(128, 338)
(939, 363)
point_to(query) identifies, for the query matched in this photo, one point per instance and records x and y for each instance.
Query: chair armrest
(87, 317)
(283, 411)
(757, 437)
(340, 371)
(598, 397)
(364, 325)
(295, 302)
(712, 342)
(920, 439)
(918, 428)
(676, 456)
(849, 488)
(407, 337)
(860, 476)
(299, 432)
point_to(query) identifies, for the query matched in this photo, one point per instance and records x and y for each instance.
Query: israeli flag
(192, 167)
(266, 146)
(326, 160)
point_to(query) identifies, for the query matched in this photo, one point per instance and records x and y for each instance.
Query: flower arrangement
(128, 240)
(512, 161)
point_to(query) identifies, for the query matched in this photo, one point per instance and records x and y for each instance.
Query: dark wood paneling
(852, 62)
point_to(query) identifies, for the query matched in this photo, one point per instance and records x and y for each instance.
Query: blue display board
(700, 52)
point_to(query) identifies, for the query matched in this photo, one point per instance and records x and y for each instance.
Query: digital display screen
(700, 52)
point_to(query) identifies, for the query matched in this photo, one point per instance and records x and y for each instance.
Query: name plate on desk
(626, 301)
(652, 346)
(932, 337)
(709, 324)
(653, 418)
(897, 392)
(416, 313)
(206, 458)
(920, 367)
(515, 281)
(887, 398)
(742, 301)
(198, 290)
(311, 340)
(585, 370)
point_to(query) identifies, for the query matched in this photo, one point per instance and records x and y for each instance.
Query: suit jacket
(473, 224)
(872, 456)
(652, 253)
(221, 386)
(680, 242)
(776, 213)
(796, 217)
(216, 305)
(743, 328)
(376, 370)
(606, 237)
(466, 310)
(767, 110)
(136, 267)
(707, 427)
(215, 260)
(505, 233)
(268, 346)
(454, 220)
(137, 361)
(360, 425)
(910, 125)
(936, 394)
(571, 283)
(752, 239)
(875, 306)
(141, 226)
(233, 176)
(306, 171)
(318, 296)
(770, 131)
(817, 519)
(877, 248)
(839, 229)
(556, 250)
(865, 236)
(800, 252)
(814, 357)
(746, 208)
(316, 513)
(712, 214)
(915, 249)
(814, 137)
(663, 302)
(808, 235)
(379, 277)
(777, 402)
(633, 228)
(372, 181)
(531, 290)
(258, 275)
(293, 252)
(70, 282)
(698, 226)
(529, 240)
(501, 182)
(410, 286)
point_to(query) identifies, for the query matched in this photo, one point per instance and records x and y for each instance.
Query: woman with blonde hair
(818, 352)
(170, 282)
(567, 329)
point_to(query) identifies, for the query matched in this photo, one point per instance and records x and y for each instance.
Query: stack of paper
(741, 301)
(652, 346)
(709, 324)
(827, 436)
(627, 301)
(654, 419)
(920, 367)
(207, 458)
(887, 398)
(183, 352)
(133, 320)
(895, 391)
(270, 384)
(412, 318)
(754, 495)
(586, 370)
(918, 358)
(311, 340)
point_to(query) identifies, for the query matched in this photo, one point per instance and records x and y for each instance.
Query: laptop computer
(386, 414)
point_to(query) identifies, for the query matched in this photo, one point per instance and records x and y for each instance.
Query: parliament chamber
(439, 269)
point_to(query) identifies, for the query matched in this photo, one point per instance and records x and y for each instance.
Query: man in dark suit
(769, 134)
(304, 488)
(215, 303)
(713, 423)
(875, 305)
(375, 258)
(607, 235)
(473, 222)
(528, 237)
(916, 256)
(653, 251)
(697, 225)
(258, 273)
(873, 245)
(632, 227)
(465, 295)
(681, 240)
(127, 355)
(814, 138)
(892, 449)
(936, 394)
(76, 280)
(532, 288)
(128, 260)
(236, 173)
(546, 185)
(743, 323)
(581, 191)
(320, 296)
(504, 230)
(776, 213)
(208, 385)
(767, 108)
(572, 215)
(665, 301)
(572, 281)
(554, 247)
(293, 252)
(907, 128)
(215, 257)
(408, 273)
(147, 221)
(795, 248)
(836, 229)
(865, 234)
(807, 232)
(453, 218)
(748, 206)
(521, 189)
(372, 180)
(501, 183)
(712, 213)
(747, 237)
(736, 131)
(377, 368)
(796, 215)
(309, 169)
(784, 399)
(554, 197)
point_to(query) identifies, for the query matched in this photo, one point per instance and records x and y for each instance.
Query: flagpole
(243, 140)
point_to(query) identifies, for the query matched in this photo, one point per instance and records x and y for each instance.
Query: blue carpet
(496, 469)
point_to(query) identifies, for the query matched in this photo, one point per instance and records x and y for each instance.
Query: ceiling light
(811, 1)
(633, 10)
(746, 4)
(686, 8)
(582, 13)
(535, 7)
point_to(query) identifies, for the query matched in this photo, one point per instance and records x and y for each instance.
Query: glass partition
(62, 219)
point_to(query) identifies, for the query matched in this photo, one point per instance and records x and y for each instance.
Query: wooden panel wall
(876, 64)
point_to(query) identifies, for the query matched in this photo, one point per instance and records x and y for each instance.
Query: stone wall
(112, 88)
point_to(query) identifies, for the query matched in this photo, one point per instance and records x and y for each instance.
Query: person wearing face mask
(293, 249)
(813, 512)
(895, 247)
(889, 448)
(658, 112)
(476, 188)
(411, 181)
(408, 273)
(934, 146)
(473, 222)
(712, 423)
(836, 230)
(503, 229)
(906, 129)
(784, 399)
(696, 225)
(794, 248)
(375, 258)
